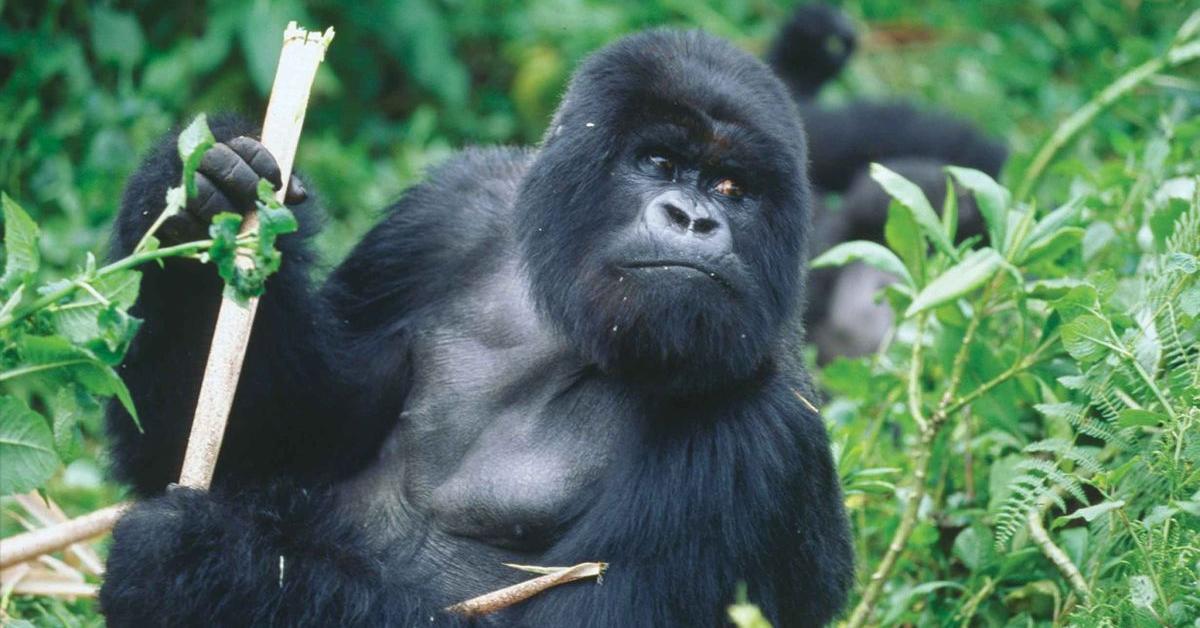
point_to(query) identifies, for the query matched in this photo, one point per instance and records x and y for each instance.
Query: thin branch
(1178, 54)
(1053, 552)
(908, 520)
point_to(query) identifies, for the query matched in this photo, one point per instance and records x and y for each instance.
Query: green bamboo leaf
(26, 447)
(910, 196)
(869, 253)
(20, 244)
(969, 274)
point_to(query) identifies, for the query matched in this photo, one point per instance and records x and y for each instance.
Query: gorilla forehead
(686, 77)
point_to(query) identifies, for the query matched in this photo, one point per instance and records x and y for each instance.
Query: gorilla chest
(504, 433)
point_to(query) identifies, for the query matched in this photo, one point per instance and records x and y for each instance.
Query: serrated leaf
(78, 320)
(21, 256)
(55, 359)
(193, 142)
(991, 199)
(910, 196)
(971, 273)
(26, 447)
(869, 253)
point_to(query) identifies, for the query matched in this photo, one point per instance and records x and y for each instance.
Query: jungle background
(1028, 440)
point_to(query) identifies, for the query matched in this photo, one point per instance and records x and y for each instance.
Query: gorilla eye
(663, 163)
(729, 187)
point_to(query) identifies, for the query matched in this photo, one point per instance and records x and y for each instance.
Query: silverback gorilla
(583, 352)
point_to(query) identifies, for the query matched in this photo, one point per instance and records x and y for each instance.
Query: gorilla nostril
(677, 216)
(704, 225)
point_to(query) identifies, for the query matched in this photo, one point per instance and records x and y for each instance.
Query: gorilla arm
(280, 423)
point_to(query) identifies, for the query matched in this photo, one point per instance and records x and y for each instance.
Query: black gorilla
(583, 352)
(811, 49)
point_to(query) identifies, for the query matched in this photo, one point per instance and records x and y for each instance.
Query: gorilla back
(583, 352)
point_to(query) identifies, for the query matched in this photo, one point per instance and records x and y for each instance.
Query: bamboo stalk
(298, 62)
(22, 547)
(302, 54)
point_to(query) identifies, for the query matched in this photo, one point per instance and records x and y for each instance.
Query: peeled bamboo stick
(302, 54)
(28, 545)
(508, 596)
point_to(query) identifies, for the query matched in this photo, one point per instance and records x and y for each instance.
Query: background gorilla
(581, 353)
(809, 51)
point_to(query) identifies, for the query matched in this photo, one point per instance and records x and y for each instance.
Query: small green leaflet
(193, 142)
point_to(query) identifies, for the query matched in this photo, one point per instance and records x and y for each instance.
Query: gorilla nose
(688, 223)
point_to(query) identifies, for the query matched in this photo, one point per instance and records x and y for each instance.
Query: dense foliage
(1027, 443)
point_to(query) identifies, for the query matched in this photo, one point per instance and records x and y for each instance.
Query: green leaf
(79, 319)
(193, 142)
(972, 272)
(1050, 228)
(1050, 225)
(869, 253)
(1054, 246)
(1086, 338)
(117, 37)
(904, 237)
(950, 211)
(55, 359)
(990, 197)
(1091, 513)
(26, 447)
(1134, 417)
(910, 196)
(20, 244)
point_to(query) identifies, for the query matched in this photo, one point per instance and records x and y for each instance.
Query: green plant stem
(1176, 55)
(932, 427)
(1146, 557)
(187, 248)
(1054, 553)
(914, 376)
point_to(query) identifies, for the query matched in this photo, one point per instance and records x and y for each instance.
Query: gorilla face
(664, 219)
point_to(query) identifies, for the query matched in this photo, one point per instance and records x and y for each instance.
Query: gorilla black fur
(584, 352)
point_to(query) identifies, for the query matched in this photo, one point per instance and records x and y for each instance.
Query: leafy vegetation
(1024, 450)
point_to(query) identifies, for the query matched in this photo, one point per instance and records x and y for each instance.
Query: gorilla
(583, 352)
(810, 50)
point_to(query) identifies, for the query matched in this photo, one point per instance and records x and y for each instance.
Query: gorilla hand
(227, 181)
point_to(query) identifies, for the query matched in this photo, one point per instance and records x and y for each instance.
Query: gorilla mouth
(684, 264)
